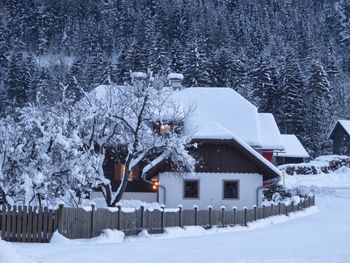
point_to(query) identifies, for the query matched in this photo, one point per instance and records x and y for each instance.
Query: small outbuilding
(340, 135)
(294, 151)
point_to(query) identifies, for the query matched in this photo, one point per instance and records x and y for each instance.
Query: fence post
(263, 211)
(119, 217)
(286, 209)
(255, 217)
(272, 212)
(279, 208)
(92, 220)
(3, 219)
(142, 219)
(313, 200)
(162, 215)
(292, 204)
(222, 215)
(210, 211)
(60, 218)
(245, 216)
(234, 215)
(180, 215)
(195, 215)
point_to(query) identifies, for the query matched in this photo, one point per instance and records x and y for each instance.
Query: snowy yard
(321, 236)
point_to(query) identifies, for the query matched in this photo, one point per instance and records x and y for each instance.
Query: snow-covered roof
(176, 76)
(219, 113)
(293, 147)
(269, 133)
(138, 74)
(344, 123)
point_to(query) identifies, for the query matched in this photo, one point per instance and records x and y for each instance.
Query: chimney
(175, 80)
(138, 76)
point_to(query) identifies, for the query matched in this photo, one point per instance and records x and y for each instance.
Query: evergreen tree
(318, 115)
(18, 82)
(222, 67)
(177, 56)
(292, 89)
(196, 70)
(264, 86)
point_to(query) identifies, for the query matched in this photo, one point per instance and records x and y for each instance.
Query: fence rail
(37, 224)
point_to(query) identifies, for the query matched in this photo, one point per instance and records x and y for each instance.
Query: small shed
(340, 135)
(294, 151)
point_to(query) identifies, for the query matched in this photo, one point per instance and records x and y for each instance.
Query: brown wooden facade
(214, 156)
(341, 140)
(222, 156)
(112, 168)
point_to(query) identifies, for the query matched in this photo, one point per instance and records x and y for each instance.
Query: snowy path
(321, 237)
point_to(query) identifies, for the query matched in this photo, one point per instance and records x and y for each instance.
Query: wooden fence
(36, 224)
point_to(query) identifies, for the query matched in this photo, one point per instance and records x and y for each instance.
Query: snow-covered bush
(323, 164)
(276, 193)
(44, 158)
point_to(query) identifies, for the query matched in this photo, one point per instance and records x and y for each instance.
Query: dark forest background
(291, 58)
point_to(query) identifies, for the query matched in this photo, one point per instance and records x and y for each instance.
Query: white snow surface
(339, 179)
(216, 108)
(8, 254)
(293, 147)
(269, 133)
(277, 239)
(315, 235)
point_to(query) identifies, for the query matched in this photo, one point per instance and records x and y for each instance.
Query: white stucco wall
(210, 190)
(148, 197)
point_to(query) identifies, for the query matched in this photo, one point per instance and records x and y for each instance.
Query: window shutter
(117, 172)
(136, 173)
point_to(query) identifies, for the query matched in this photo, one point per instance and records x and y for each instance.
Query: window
(167, 127)
(191, 189)
(230, 189)
(119, 172)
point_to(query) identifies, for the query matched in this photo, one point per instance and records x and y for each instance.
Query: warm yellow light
(156, 183)
(154, 187)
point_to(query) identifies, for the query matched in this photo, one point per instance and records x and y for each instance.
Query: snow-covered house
(340, 135)
(294, 150)
(234, 149)
(231, 170)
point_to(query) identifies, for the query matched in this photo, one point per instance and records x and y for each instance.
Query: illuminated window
(120, 172)
(165, 128)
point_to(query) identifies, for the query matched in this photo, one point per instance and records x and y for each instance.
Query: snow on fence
(27, 224)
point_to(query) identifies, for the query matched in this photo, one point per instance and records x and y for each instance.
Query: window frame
(184, 188)
(223, 189)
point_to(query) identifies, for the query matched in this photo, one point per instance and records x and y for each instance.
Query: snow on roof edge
(343, 123)
(270, 135)
(293, 147)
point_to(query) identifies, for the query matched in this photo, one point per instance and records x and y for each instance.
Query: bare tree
(124, 117)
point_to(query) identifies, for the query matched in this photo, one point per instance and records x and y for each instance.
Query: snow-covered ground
(320, 234)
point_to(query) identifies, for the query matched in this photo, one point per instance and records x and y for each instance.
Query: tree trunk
(122, 186)
(2, 197)
(107, 193)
